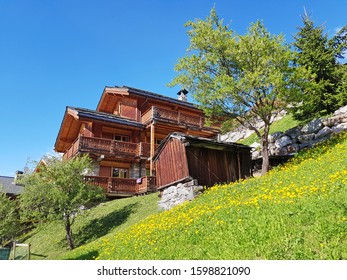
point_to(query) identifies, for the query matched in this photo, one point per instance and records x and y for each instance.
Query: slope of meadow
(297, 211)
(48, 240)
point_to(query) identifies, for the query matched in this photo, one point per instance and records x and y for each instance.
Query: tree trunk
(69, 233)
(264, 151)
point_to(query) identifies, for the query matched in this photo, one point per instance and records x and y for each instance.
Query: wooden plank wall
(129, 109)
(172, 164)
(246, 164)
(210, 166)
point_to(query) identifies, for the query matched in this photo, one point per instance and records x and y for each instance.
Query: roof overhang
(107, 100)
(207, 143)
(68, 130)
(73, 119)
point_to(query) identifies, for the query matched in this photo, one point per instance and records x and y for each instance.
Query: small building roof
(201, 142)
(8, 186)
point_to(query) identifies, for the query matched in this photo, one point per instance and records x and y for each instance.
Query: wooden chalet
(183, 157)
(123, 133)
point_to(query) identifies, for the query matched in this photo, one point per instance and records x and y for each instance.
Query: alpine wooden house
(123, 133)
(183, 157)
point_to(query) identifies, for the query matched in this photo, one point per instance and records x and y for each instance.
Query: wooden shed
(183, 157)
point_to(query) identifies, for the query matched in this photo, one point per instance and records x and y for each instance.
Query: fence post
(14, 250)
(21, 245)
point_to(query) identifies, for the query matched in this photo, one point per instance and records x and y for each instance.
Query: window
(120, 172)
(122, 138)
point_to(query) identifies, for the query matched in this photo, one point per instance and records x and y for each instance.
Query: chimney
(18, 176)
(182, 95)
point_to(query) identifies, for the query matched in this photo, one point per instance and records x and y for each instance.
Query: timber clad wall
(210, 162)
(172, 164)
(129, 109)
(215, 166)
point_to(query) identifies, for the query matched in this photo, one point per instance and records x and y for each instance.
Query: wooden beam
(116, 91)
(152, 147)
(185, 179)
(239, 165)
(73, 113)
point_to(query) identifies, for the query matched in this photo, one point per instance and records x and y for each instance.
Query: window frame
(123, 173)
(123, 138)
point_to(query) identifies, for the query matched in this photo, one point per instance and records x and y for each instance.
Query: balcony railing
(155, 113)
(107, 147)
(123, 186)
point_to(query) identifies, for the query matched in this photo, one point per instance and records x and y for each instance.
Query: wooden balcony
(106, 147)
(123, 186)
(174, 117)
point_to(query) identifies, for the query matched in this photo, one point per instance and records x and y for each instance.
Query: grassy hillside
(48, 241)
(298, 211)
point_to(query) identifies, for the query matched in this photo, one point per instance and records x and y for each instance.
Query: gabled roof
(161, 97)
(44, 161)
(70, 124)
(201, 142)
(126, 90)
(8, 186)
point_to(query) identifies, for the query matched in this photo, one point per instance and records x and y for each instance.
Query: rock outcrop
(243, 132)
(298, 138)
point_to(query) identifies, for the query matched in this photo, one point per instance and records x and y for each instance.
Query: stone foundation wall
(137, 170)
(177, 194)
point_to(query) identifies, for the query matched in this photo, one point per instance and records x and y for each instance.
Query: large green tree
(59, 192)
(247, 78)
(321, 55)
(9, 220)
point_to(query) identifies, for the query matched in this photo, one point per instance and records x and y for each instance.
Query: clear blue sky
(64, 52)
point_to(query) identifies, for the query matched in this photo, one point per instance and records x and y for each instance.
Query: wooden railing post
(109, 184)
(112, 146)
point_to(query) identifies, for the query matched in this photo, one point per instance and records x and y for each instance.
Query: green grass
(297, 211)
(281, 125)
(48, 240)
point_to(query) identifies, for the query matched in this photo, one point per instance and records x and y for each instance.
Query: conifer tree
(319, 54)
